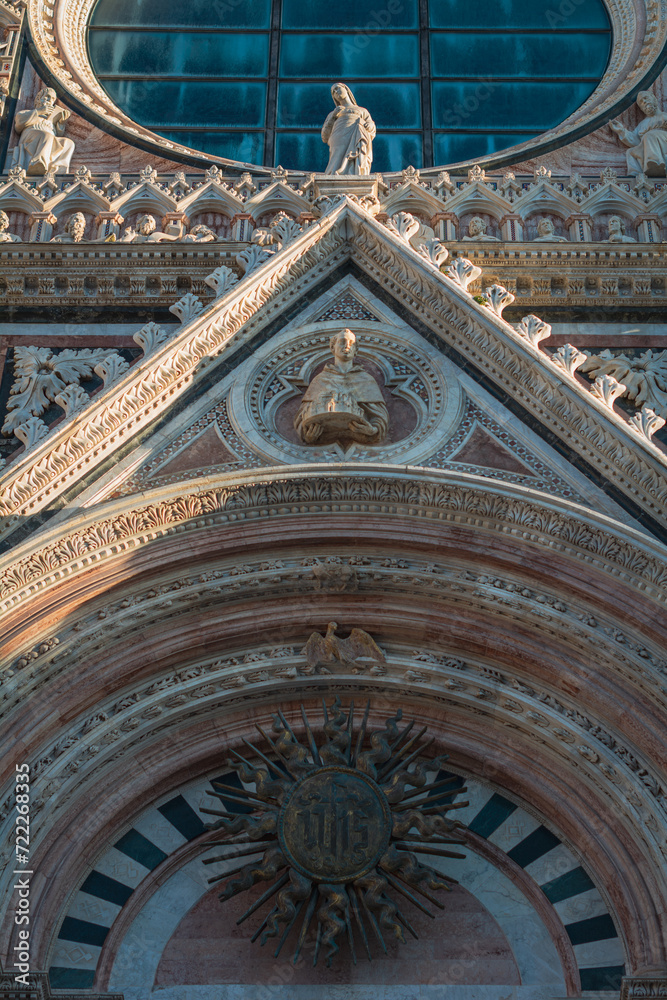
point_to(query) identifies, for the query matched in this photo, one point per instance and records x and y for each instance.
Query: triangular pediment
(502, 369)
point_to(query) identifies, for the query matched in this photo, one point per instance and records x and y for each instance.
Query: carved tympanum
(343, 402)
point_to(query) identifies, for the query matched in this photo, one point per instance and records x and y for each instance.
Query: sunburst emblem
(338, 822)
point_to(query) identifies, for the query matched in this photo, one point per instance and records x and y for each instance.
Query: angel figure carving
(359, 646)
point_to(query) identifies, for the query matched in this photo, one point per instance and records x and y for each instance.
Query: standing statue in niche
(40, 150)
(648, 143)
(343, 402)
(349, 132)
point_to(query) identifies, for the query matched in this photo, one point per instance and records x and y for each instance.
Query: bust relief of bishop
(349, 132)
(343, 402)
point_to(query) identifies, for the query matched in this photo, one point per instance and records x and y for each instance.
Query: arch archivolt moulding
(58, 29)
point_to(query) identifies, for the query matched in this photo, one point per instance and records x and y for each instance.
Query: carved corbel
(108, 224)
(511, 228)
(644, 987)
(580, 227)
(41, 226)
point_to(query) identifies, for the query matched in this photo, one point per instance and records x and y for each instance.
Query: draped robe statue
(343, 402)
(647, 152)
(349, 131)
(40, 149)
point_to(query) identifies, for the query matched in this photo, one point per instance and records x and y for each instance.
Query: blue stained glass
(245, 146)
(148, 53)
(369, 15)
(307, 104)
(516, 55)
(163, 104)
(306, 151)
(508, 14)
(452, 147)
(534, 106)
(345, 56)
(183, 13)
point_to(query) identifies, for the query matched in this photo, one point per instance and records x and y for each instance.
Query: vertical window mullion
(425, 73)
(272, 86)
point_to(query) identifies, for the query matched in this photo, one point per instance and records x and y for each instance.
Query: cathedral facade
(333, 500)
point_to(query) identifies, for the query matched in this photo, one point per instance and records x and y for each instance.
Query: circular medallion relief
(334, 825)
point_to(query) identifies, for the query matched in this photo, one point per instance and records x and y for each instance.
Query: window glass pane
(561, 56)
(157, 105)
(390, 105)
(347, 56)
(393, 151)
(508, 14)
(306, 151)
(369, 15)
(246, 146)
(452, 147)
(534, 106)
(184, 13)
(148, 53)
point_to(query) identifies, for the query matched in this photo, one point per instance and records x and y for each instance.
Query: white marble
(513, 830)
(159, 831)
(94, 910)
(72, 955)
(551, 865)
(31, 330)
(477, 795)
(117, 865)
(599, 953)
(634, 331)
(581, 907)
(350, 992)
(200, 795)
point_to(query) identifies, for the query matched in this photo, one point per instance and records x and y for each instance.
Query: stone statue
(146, 232)
(343, 402)
(200, 234)
(648, 143)
(5, 235)
(359, 645)
(74, 229)
(546, 233)
(617, 231)
(40, 151)
(349, 131)
(477, 232)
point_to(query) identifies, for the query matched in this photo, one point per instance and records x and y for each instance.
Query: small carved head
(146, 225)
(4, 221)
(46, 98)
(616, 225)
(342, 94)
(476, 226)
(648, 102)
(76, 226)
(545, 227)
(343, 345)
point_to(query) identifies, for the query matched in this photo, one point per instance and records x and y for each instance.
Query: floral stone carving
(644, 378)
(343, 402)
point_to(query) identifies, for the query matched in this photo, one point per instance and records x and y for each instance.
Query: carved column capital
(653, 986)
(108, 224)
(444, 224)
(511, 227)
(242, 227)
(175, 223)
(648, 228)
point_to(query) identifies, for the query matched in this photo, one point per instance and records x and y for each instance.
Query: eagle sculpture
(321, 649)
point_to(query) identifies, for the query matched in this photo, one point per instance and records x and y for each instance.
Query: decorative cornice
(602, 437)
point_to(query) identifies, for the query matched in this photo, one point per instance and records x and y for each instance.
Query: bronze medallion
(335, 825)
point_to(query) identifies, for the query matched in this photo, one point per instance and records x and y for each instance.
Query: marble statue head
(545, 227)
(342, 94)
(146, 225)
(76, 226)
(648, 102)
(476, 226)
(343, 345)
(616, 225)
(46, 98)
(4, 221)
